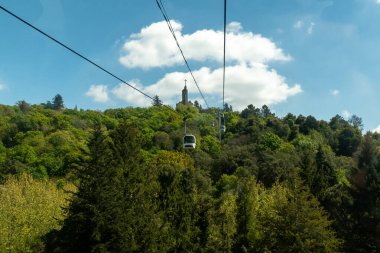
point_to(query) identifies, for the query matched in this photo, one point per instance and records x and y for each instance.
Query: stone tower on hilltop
(185, 95)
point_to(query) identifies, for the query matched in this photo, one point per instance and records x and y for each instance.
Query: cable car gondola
(222, 123)
(189, 141)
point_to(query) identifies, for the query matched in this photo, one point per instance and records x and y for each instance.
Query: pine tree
(94, 214)
(197, 105)
(366, 197)
(182, 202)
(156, 101)
(325, 175)
(57, 103)
(140, 219)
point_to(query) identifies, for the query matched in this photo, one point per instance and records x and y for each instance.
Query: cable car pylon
(221, 118)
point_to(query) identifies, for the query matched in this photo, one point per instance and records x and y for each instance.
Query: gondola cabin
(189, 141)
(222, 123)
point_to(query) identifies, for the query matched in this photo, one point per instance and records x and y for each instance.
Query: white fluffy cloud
(249, 79)
(245, 85)
(98, 92)
(154, 47)
(234, 27)
(377, 129)
(334, 92)
(130, 95)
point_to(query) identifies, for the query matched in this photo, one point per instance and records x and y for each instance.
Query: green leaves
(141, 192)
(29, 209)
(280, 219)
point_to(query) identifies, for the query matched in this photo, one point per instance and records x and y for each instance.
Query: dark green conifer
(366, 197)
(94, 214)
(57, 103)
(156, 101)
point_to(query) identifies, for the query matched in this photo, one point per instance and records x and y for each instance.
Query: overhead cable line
(78, 54)
(224, 49)
(163, 11)
(167, 16)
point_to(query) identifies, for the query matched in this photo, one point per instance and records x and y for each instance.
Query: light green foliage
(227, 183)
(62, 141)
(317, 137)
(287, 147)
(172, 160)
(23, 153)
(210, 144)
(29, 209)
(40, 122)
(269, 141)
(305, 143)
(342, 177)
(232, 119)
(187, 111)
(36, 140)
(206, 123)
(162, 140)
(222, 224)
(285, 220)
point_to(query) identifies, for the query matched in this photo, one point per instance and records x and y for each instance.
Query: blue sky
(310, 57)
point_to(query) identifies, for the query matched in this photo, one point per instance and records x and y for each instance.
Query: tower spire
(185, 95)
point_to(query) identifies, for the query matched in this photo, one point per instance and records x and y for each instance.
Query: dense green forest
(119, 180)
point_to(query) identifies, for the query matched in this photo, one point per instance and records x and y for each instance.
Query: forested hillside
(120, 181)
